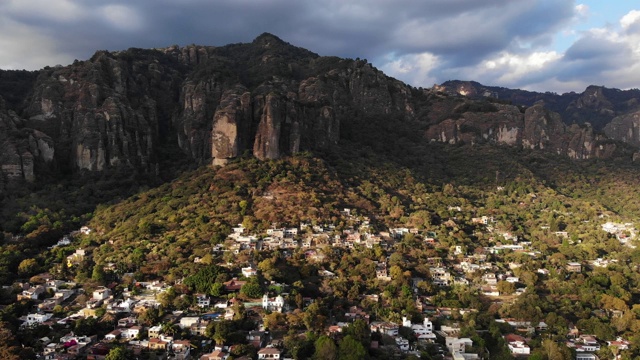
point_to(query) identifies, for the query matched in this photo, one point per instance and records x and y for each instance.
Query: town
(338, 291)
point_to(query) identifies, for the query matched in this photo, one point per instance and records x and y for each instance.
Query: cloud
(25, 48)
(122, 17)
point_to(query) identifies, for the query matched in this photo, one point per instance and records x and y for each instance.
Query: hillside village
(433, 297)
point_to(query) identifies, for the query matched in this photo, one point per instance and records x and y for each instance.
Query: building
(574, 267)
(101, 293)
(181, 349)
(273, 304)
(154, 332)
(458, 345)
(249, 272)
(269, 353)
(37, 318)
(517, 344)
(203, 300)
(215, 355)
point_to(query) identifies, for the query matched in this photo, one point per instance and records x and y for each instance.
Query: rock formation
(118, 110)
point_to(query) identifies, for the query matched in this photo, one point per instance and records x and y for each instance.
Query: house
(249, 272)
(215, 355)
(157, 344)
(273, 304)
(85, 230)
(199, 328)
(422, 331)
(490, 291)
(131, 333)
(388, 328)
(574, 267)
(458, 345)
(114, 335)
(203, 300)
(76, 257)
(441, 276)
(127, 321)
(37, 318)
(233, 285)
(517, 344)
(187, 321)
(32, 293)
(181, 349)
(269, 353)
(381, 272)
(403, 344)
(620, 343)
(101, 293)
(154, 332)
(490, 279)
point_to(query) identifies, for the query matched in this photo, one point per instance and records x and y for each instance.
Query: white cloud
(413, 69)
(582, 10)
(630, 18)
(122, 17)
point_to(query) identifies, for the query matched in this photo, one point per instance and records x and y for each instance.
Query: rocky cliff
(533, 128)
(597, 105)
(23, 150)
(119, 110)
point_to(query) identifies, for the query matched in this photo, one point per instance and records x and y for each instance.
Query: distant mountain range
(141, 109)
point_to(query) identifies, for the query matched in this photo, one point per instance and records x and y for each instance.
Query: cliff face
(597, 105)
(625, 128)
(22, 149)
(536, 128)
(268, 98)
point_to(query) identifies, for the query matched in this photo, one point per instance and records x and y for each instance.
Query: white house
(249, 272)
(37, 318)
(403, 344)
(273, 304)
(131, 333)
(203, 300)
(517, 344)
(422, 331)
(269, 353)
(187, 321)
(101, 293)
(458, 345)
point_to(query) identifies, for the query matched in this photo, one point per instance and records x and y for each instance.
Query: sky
(538, 45)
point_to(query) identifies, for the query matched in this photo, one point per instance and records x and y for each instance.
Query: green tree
(98, 274)
(251, 290)
(360, 331)
(118, 353)
(326, 349)
(351, 349)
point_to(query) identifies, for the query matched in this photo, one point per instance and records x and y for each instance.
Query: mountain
(144, 110)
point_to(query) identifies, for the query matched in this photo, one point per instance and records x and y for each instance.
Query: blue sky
(541, 45)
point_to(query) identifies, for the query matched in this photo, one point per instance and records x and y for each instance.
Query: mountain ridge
(270, 98)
